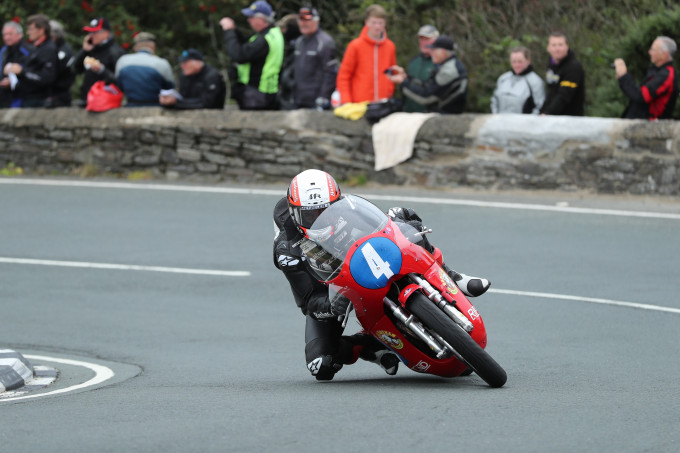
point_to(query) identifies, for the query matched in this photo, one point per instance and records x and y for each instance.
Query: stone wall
(481, 151)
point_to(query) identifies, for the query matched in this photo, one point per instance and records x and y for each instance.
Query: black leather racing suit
(326, 349)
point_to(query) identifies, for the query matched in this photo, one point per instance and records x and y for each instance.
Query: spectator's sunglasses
(306, 14)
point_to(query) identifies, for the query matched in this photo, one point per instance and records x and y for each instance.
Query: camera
(390, 71)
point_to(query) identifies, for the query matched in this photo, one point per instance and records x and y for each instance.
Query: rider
(326, 349)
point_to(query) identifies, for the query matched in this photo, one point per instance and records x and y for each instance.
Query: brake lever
(424, 232)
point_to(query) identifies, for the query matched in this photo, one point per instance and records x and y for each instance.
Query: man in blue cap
(258, 58)
(200, 86)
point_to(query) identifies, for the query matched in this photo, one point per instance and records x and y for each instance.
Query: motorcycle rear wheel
(473, 354)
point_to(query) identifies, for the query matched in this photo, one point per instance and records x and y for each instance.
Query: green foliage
(11, 170)
(484, 31)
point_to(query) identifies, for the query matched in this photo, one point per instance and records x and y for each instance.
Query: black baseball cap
(442, 42)
(190, 54)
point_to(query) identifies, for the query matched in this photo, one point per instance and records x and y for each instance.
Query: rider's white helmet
(309, 194)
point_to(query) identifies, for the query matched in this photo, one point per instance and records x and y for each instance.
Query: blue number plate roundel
(375, 262)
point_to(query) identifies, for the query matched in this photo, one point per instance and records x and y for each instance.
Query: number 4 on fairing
(376, 264)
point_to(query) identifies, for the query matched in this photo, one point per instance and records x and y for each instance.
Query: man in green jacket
(258, 59)
(420, 66)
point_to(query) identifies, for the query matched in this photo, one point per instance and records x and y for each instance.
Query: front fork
(415, 327)
(436, 297)
(433, 340)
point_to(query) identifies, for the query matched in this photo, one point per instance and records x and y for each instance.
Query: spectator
(15, 50)
(362, 72)
(200, 86)
(142, 75)
(291, 31)
(655, 97)
(36, 77)
(258, 58)
(316, 64)
(101, 52)
(61, 90)
(446, 89)
(566, 80)
(420, 66)
(520, 90)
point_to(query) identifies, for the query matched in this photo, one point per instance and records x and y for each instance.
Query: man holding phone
(98, 57)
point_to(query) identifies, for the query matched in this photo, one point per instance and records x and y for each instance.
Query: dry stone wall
(481, 151)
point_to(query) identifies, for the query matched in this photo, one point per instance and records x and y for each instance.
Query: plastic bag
(103, 97)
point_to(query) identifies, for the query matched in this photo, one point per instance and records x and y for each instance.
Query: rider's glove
(339, 304)
(403, 214)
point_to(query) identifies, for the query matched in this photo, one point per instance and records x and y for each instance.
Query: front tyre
(473, 354)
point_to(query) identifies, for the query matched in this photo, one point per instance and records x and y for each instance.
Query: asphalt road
(216, 362)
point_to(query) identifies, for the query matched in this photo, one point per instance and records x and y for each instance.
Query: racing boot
(471, 286)
(324, 367)
(387, 360)
(374, 351)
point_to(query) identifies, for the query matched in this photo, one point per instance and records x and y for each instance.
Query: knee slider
(324, 367)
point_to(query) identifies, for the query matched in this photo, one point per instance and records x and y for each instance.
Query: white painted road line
(591, 300)
(123, 267)
(101, 374)
(401, 199)
(219, 273)
(528, 207)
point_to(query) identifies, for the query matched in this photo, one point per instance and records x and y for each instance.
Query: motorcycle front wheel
(473, 354)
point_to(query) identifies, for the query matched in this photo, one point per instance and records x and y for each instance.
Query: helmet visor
(305, 216)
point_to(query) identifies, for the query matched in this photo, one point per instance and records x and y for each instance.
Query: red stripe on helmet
(294, 193)
(333, 189)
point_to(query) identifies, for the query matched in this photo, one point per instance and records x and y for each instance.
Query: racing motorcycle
(399, 291)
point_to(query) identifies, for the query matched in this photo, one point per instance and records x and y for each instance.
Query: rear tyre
(473, 354)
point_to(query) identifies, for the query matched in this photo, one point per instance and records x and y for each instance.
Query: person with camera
(446, 89)
(655, 97)
(258, 59)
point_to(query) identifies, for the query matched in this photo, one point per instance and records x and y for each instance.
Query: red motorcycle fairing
(367, 296)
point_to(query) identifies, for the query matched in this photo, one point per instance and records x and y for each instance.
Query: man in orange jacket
(362, 73)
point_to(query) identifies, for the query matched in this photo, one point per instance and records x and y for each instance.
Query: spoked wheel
(473, 354)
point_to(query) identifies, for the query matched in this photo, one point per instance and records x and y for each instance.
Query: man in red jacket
(655, 97)
(362, 73)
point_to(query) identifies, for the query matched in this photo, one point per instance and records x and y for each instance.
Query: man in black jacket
(15, 50)
(35, 79)
(566, 79)
(316, 63)
(200, 86)
(655, 97)
(98, 56)
(61, 90)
